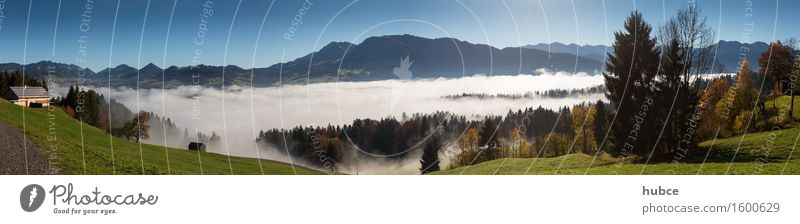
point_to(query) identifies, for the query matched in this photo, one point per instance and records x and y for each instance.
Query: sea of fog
(239, 113)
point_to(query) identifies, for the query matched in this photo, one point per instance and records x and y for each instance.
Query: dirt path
(13, 152)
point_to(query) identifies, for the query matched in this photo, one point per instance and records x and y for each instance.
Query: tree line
(525, 133)
(666, 69)
(9, 79)
(551, 93)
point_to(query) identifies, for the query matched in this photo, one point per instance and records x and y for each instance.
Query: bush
(741, 123)
(779, 120)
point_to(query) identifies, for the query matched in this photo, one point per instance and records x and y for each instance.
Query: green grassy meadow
(760, 153)
(751, 159)
(74, 151)
(89, 151)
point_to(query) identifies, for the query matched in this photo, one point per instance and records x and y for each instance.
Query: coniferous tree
(630, 70)
(600, 122)
(687, 54)
(430, 155)
(672, 94)
(488, 139)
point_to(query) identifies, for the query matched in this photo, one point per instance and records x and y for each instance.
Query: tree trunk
(791, 108)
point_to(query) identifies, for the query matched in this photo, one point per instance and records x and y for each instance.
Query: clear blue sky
(494, 22)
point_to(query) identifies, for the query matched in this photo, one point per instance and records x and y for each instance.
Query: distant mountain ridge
(594, 52)
(375, 58)
(43, 68)
(728, 53)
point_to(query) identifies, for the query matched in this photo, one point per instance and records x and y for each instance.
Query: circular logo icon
(31, 197)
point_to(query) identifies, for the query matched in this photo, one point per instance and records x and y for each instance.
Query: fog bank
(239, 113)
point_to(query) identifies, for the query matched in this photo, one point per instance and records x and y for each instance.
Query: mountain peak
(123, 66)
(336, 45)
(150, 68)
(399, 38)
(150, 65)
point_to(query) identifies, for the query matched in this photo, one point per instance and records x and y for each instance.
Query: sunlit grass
(83, 149)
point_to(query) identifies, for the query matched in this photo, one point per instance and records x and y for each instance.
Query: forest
(551, 93)
(15, 78)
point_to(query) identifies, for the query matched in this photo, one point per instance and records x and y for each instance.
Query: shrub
(741, 123)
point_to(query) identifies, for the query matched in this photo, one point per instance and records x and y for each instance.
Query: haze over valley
(248, 110)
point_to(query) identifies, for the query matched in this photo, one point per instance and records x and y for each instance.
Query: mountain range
(727, 52)
(594, 52)
(375, 58)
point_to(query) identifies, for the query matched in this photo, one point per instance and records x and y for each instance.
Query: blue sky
(54, 28)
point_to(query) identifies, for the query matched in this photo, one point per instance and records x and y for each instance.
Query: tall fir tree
(430, 155)
(630, 70)
(600, 122)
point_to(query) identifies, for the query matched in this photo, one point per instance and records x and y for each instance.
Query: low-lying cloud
(239, 113)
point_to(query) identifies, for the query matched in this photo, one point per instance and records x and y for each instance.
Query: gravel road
(13, 153)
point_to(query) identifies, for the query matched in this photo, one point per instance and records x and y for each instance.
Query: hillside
(73, 151)
(751, 159)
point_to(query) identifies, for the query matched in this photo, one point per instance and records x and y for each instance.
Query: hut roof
(29, 92)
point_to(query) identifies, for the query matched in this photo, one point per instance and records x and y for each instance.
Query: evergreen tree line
(88, 106)
(654, 79)
(525, 133)
(551, 93)
(15, 79)
(665, 107)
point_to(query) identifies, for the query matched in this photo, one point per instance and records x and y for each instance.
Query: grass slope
(90, 151)
(769, 152)
(514, 166)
